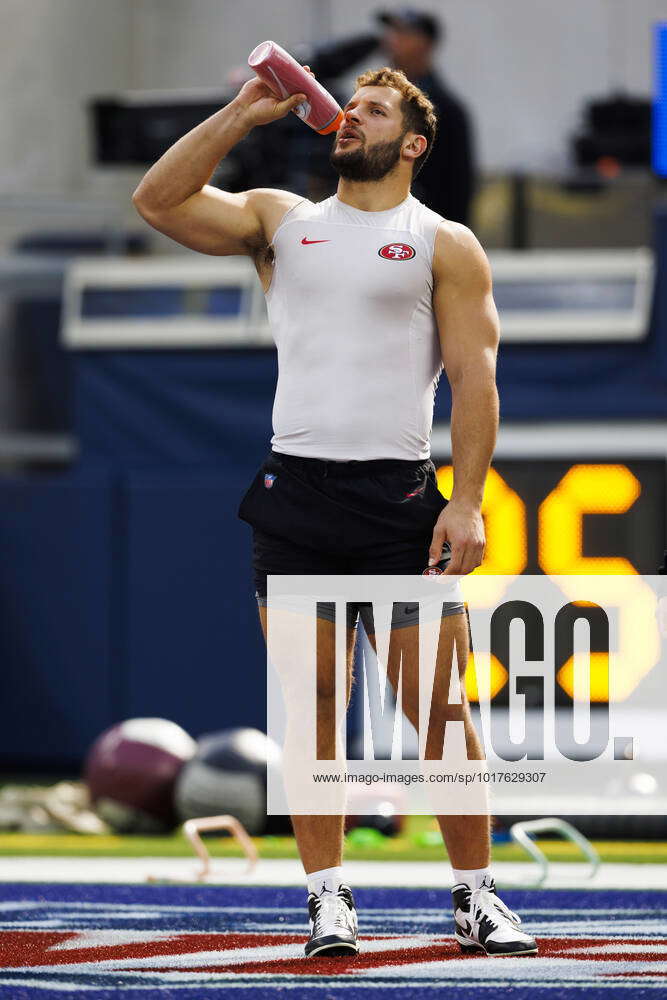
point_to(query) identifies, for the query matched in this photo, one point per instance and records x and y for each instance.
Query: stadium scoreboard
(561, 517)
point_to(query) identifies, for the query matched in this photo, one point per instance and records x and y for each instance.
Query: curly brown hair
(419, 114)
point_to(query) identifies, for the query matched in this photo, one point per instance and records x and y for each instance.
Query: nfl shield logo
(269, 480)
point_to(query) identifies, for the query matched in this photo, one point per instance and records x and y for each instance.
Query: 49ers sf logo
(397, 251)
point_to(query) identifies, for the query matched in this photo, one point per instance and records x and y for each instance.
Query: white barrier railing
(550, 296)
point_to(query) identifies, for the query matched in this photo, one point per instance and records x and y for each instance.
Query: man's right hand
(259, 104)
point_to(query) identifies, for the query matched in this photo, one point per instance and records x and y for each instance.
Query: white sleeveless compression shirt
(350, 309)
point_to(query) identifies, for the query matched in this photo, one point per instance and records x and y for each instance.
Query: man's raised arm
(468, 328)
(176, 199)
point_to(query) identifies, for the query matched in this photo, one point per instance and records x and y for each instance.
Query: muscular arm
(176, 199)
(468, 329)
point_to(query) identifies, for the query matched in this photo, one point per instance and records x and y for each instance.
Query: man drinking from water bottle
(369, 294)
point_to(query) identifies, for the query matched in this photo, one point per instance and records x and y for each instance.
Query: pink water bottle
(285, 77)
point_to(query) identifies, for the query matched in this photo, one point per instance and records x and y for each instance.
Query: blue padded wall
(193, 646)
(57, 676)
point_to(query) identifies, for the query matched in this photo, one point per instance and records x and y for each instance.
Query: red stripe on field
(31, 948)
(620, 975)
(565, 948)
(39, 948)
(18, 948)
(338, 966)
(440, 950)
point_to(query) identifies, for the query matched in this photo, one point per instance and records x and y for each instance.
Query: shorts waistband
(330, 468)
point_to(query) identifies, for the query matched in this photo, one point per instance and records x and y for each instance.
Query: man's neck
(373, 196)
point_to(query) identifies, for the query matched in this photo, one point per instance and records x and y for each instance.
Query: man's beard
(366, 164)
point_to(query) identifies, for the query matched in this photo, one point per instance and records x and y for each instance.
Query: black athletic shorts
(316, 517)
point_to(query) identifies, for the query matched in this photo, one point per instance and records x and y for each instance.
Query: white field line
(415, 874)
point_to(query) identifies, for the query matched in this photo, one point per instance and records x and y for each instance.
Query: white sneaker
(484, 923)
(333, 923)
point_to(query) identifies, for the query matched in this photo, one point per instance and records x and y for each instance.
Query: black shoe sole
(472, 946)
(334, 950)
(335, 945)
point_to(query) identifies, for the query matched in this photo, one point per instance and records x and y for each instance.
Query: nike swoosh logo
(307, 243)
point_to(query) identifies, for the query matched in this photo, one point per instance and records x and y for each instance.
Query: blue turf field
(156, 942)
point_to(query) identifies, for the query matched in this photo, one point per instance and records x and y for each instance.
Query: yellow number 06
(584, 489)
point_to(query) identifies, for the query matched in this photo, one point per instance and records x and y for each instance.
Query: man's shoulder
(270, 198)
(457, 250)
(272, 206)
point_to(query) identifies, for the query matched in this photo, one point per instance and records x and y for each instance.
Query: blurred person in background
(410, 38)
(446, 184)
(370, 294)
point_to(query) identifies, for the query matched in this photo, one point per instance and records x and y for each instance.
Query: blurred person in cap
(446, 184)
(409, 39)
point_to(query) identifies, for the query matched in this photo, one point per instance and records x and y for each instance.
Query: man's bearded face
(362, 162)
